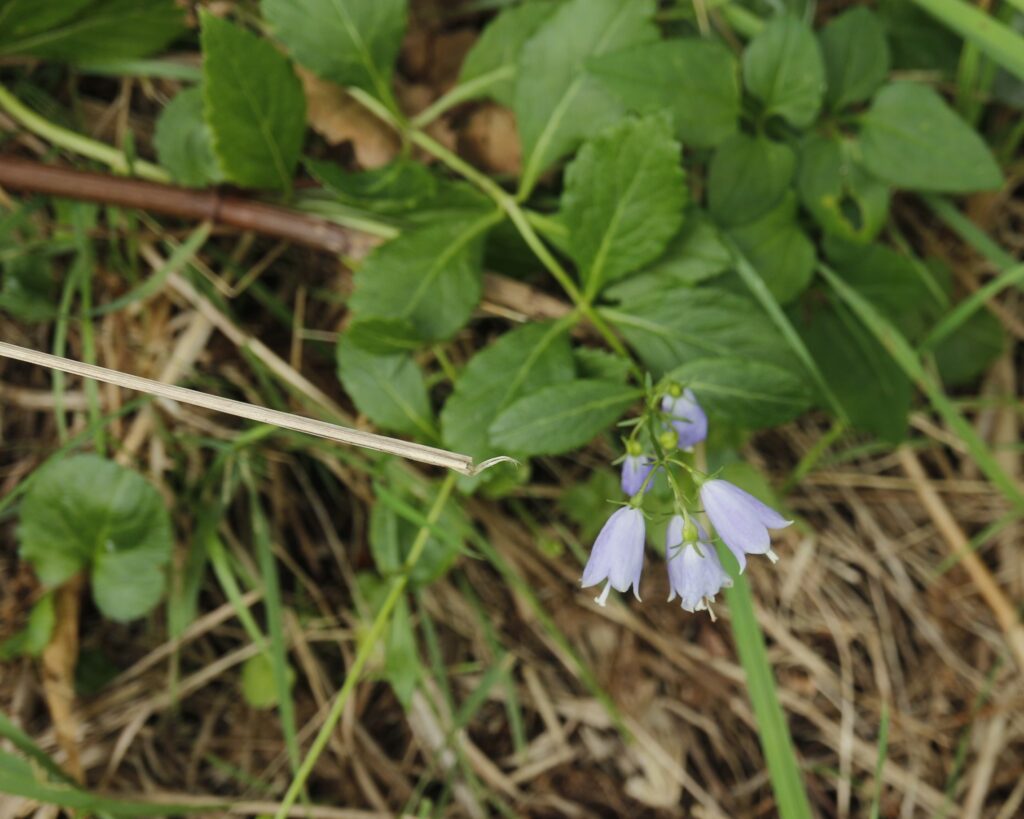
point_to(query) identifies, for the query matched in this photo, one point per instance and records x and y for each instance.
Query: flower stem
(366, 648)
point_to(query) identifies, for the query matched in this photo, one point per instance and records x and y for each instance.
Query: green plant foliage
(697, 80)
(783, 68)
(257, 683)
(873, 390)
(779, 249)
(744, 391)
(561, 417)
(969, 351)
(517, 364)
(493, 62)
(856, 56)
(623, 199)
(184, 142)
(354, 42)
(912, 139)
(32, 639)
(389, 389)
(88, 30)
(254, 106)
(696, 253)
(844, 199)
(748, 177)
(395, 188)
(88, 513)
(557, 103)
(428, 277)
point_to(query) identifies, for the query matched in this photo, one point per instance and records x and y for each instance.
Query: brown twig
(210, 205)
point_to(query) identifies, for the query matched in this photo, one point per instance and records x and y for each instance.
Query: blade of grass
(905, 356)
(773, 731)
(366, 648)
(998, 41)
(967, 230)
(969, 306)
(883, 752)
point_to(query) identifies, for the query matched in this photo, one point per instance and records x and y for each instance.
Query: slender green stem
(77, 143)
(461, 93)
(366, 648)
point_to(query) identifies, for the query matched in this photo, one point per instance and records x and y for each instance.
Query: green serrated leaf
(254, 105)
(561, 417)
(695, 254)
(779, 249)
(388, 389)
(782, 67)
(492, 62)
(623, 199)
(520, 362)
(86, 512)
(184, 143)
(667, 325)
(750, 393)
(697, 80)
(429, 276)
(873, 390)
(747, 178)
(88, 30)
(844, 199)
(350, 42)
(912, 139)
(557, 103)
(856, 56)
(395, 188)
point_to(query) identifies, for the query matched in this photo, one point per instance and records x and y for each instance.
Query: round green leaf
(747, 177)
(783, 68)
(86, 512)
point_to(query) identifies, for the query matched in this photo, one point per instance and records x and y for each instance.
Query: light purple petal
(768, 516)
(634, 471)
(618, 553)
(689, 419)
(737, 523)
(695, 577)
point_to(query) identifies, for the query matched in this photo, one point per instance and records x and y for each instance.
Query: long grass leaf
(997, 40)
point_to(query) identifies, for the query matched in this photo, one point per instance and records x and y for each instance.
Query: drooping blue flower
(741, 520)
(695, 573)
(618, 554)
(635, 470)
(687, 418)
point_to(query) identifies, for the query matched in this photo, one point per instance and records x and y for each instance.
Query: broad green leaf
(184, 143)
(912, 139)
(890, 281)
(557, 103)
(919, 41)
(747, 177)
(86, 512)
(350, 42)
(401, 661)
(871, 387)
(84, 31)
(743, 391)
(967, 353)
(623, 199)
(695, 254)
(667, 325)
(844, 199)
(394, 188)
(383, 336)
(604, 365)
(779, 249)
(429, 276)
(782, 67)
(520, 362)
(856, 56)
(254, 104)
(388, 389)
(561, 417)
(697, 80)
(492, 62)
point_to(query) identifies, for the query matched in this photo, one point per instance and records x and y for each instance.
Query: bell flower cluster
(674, 423)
